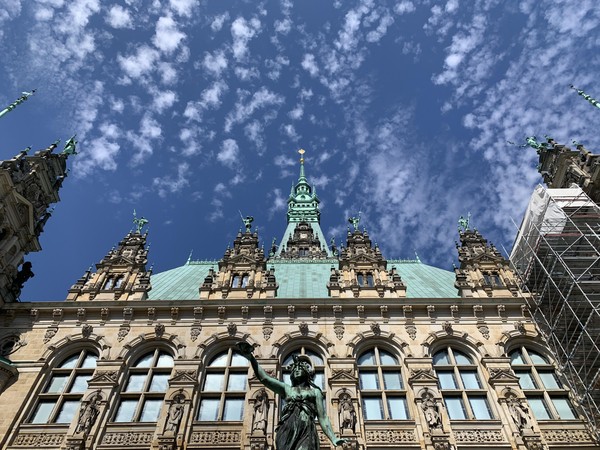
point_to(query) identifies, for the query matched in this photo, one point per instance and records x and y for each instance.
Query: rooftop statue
(464, 223)
(303, 403)
(355, 221)
(247, 221)
(70, 146)
(139, 223)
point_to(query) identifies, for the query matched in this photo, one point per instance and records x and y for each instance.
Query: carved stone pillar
(260, 421)
(345, 417)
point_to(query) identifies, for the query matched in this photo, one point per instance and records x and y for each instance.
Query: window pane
(136, 382)
(287, 378)
(367, 359)
(145, 361)
(480, 407)
(525, 380)
(368, 380)
(42, 412)
(538, 407)
(89, 362)
(397, 408)
(67, 411)
(70, 362)
(126, 410)
(470, 379)
(164, 360)
(237, 382)
(387, 359)
(536, 358)
(549, 380)
(316, 359)
(234, 408)
(208, 409)
(441, 358)
(461, 358)
(80, 383)
(151, 410)
(238, 360)
(320, 380)
(392, 380)
(563, 407)
(373, 408)
(219, 361)
(447, 380)
(159, 383)
(516, 357)
(455, 407)
(57, 383)
(213, 382)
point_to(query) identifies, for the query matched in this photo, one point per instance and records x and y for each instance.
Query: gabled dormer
(242, 271)
(121, 274)
(362, 270)
(483, 271)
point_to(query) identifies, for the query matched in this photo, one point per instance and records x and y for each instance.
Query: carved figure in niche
(347, 413)
(431, 412)
(519, 413)
(174, 414)
(261, 409)
(303, 403)
(88, 414)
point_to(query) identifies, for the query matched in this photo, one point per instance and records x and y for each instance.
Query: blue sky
(189, 111)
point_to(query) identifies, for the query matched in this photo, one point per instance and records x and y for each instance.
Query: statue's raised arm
(303, 404)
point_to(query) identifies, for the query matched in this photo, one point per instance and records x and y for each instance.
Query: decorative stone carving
(128, 438)
(88, 414)
(159, 329)
(447, 326)
(345, 375)
(31, 440)
(80, 314)
(267, 331)
(231, 328)
(35, 313)
(502, 376)
(375, 328)
(261, 413)
(195, 332)
(478, 436)
(174, 414)
(412, 331)
(11, 344)
(422, 375)
(390, 436)
(484, 330)
(151, 314)
(314, 312)
(431, 411)
(86, 330)
(174, 314)
(519, 412)
(339, 329)
(303, 327)
(57, 314)
(520, 327)
(221, 313)
(347, 413)
(123, 332)
(215, 437)
(567, 436)
(184, 377)
(104, 377)
(104, 314)
(50, 333)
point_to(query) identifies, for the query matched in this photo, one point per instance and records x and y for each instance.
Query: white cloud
(219, 21)
(246, 73)
(163, 100)
(309, 64)
(168, 73)
(229, 153)
(254, 132)
(100, 152)
(404, 7)
(278, 202)
(290, 131)
(243, 31)
(118, 17)
(377, 34)
(143, 141)
(140, 63)
(183, 7)
(170, 185)
(168, 36)
(261, 99)
(215, 63)
(296, 113)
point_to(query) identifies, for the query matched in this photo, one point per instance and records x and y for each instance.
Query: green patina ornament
(355, 221)
(139, 223)
(589, 98)
(70, 146)
(24, 96)
(303, 404)
(464, 223)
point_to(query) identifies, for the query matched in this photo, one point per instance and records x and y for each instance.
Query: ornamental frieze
(390, 436)
(479, 436)
(567, 436)
(39, 440)
(127, 438)
(215, 437)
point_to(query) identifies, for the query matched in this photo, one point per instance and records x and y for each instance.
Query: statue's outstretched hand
(341, 441)
(244, 348)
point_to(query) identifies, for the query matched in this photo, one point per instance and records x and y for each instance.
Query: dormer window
(370, 282)
(118, 282)
(108, 284)
(245, 279)
(492, 279)
(235, 281)
(360, 279)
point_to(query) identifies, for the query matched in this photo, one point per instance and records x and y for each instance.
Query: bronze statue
(303, 403)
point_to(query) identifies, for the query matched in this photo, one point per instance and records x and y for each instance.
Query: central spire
(303, 203)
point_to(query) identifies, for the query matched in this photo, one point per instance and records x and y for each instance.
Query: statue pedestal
(167, 443)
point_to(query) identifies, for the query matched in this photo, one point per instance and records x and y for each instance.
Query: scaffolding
(557, 255)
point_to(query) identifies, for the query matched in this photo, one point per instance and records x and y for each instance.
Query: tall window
(370, 282)
(464, 393)
(145, 388)
(245, 279)
(318, 365)
(61, 395)
(360, 279)
(545, 393)
(224, 388)
(235, 282)
(381, 387)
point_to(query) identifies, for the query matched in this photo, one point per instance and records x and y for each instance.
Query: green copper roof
(302, 279)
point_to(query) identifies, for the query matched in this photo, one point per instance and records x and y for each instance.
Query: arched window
(360, 279)
(245, 279)
(235, 281)
(381, 386)
(145, 388)
(464, 393)
(370, 282)
(59, 400)
(318, 365)
(545, 393)
(224, 388)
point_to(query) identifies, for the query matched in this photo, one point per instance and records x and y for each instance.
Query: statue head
(301, 370)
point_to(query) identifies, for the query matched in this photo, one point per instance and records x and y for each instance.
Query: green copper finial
(463, 224)
(70, 146)
(24, 96)
(139, 223)
(302, 176)
(355, 221)
(591, 100)
(247, 222)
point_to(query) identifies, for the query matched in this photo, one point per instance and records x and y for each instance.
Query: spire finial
(302, 152)
(589, 98)
(24, 96)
